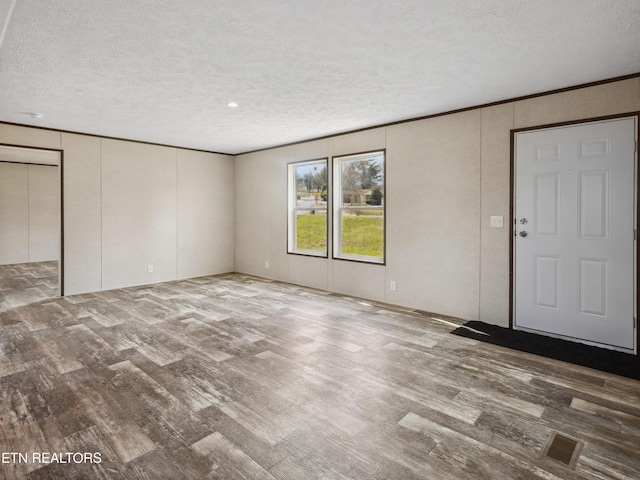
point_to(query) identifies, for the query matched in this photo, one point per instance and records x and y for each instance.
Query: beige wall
(128, 205)
(205, 214)
(44, 213)
(446, 177)
(29, 219)
(139, 222)
(14, 214)
(82, 213)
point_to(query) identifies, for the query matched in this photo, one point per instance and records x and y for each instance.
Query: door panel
(593, 288)
(547, 205)
(575, 209)
(547, 278)
(593, 210)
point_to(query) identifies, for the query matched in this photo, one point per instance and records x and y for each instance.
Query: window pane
(308, 208)
(311, 230)
(311, 185)
(359, 207)
(363, 233)
(362, 180)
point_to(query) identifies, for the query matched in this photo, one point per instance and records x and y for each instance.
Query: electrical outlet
(149, 268)
(392, 285)
(497, 222)
(266, 264)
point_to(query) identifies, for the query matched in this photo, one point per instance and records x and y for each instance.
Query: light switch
(497, 222)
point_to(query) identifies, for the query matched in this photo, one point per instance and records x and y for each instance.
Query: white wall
(445, 177)
(128, 205)
(29, 213)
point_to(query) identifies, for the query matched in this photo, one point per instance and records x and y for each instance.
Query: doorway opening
(31, 225)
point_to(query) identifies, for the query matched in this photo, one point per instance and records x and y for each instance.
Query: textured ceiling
(164, 71)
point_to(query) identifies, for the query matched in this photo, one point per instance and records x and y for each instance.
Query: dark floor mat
(619, 363)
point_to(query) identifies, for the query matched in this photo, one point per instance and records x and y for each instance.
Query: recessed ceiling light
(37, 116)
(232, 104)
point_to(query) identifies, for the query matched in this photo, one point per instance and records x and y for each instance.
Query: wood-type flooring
(234, 377)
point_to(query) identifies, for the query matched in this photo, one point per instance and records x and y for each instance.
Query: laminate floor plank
(390, 448)
(460, 446)
(64, 405)
(235, 377)
(220, 451)
(602, 467)
(15, 434)
(599, 432)
(91, 441)
(196, 385)
(287, 469)
(64, 359)
(153, 466)
(310, 452)
(123, 434)
(619, 416)
(27, 283)
(189, 463)
(132, 385)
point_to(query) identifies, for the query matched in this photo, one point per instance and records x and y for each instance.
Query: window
(308, 208)
(358, 205)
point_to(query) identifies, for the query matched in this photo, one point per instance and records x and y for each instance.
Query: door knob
(523, 221)
(523, 233)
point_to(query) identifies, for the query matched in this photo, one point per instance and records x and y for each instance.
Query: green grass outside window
(361, 234)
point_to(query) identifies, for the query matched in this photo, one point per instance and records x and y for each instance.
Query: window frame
(337, 209)
(293, 208)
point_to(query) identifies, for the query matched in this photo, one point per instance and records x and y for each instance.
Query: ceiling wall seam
(408, 120)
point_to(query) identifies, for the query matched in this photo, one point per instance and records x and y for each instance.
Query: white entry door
(574, 232)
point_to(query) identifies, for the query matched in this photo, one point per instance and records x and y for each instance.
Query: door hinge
(635, 322)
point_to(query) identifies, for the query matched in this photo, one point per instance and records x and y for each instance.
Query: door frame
(61, 205)
(636, 115)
